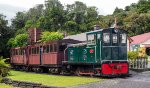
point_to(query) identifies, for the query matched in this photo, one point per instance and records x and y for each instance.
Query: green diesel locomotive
(104, 53)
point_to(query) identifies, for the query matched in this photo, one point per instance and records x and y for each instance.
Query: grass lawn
(5, 86)
(51, 80)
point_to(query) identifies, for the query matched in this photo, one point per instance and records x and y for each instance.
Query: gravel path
(138, 80)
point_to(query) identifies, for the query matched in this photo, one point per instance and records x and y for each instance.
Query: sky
(10, 7)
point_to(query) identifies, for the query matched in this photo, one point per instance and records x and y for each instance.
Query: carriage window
(37, 51)
(55, 48)
(13, 52)
(51, 48)
(114, 38)
(106, 37)
(123, 38)
(91, 39)
(47, 48)
(32, 50)
(44, 49)
(21, 52)
(17, 52)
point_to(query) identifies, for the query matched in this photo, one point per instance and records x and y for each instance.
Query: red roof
(140, 38)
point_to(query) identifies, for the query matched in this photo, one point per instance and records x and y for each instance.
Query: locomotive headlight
(115, 30)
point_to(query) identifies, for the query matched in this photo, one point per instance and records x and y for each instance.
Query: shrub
(132, 55)
(4, 67)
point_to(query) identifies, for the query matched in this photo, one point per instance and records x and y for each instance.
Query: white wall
(146, 42)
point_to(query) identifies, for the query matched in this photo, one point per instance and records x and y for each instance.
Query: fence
(140, 63)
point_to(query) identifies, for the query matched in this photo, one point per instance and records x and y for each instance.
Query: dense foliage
(5, 34)
(74, 18)
(19, 40)
(49, 36)
(78, 17)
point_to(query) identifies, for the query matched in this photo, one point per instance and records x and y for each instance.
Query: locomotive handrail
(65, 53)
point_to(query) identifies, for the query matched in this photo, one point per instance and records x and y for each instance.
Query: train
(104, 53)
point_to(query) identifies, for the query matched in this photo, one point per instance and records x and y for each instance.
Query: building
(142, 40)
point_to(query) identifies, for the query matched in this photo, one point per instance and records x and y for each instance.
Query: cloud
(10, 11)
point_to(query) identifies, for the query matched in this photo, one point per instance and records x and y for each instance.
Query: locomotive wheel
(77, 72)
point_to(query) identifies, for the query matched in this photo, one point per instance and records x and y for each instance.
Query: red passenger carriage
(47, 56)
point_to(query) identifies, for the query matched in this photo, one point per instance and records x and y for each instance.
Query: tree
(54, 15)
(143, 6)
(140, 25)
(76, 11)
(117, 10)
(71, 26)
(19, 21)
(33, 15)
(5, 34)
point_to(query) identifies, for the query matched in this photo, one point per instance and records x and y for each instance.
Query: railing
(140, 63)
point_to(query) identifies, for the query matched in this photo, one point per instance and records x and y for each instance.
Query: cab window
(91, 39)
(123, 38)
(115, 38)
(106, 37)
